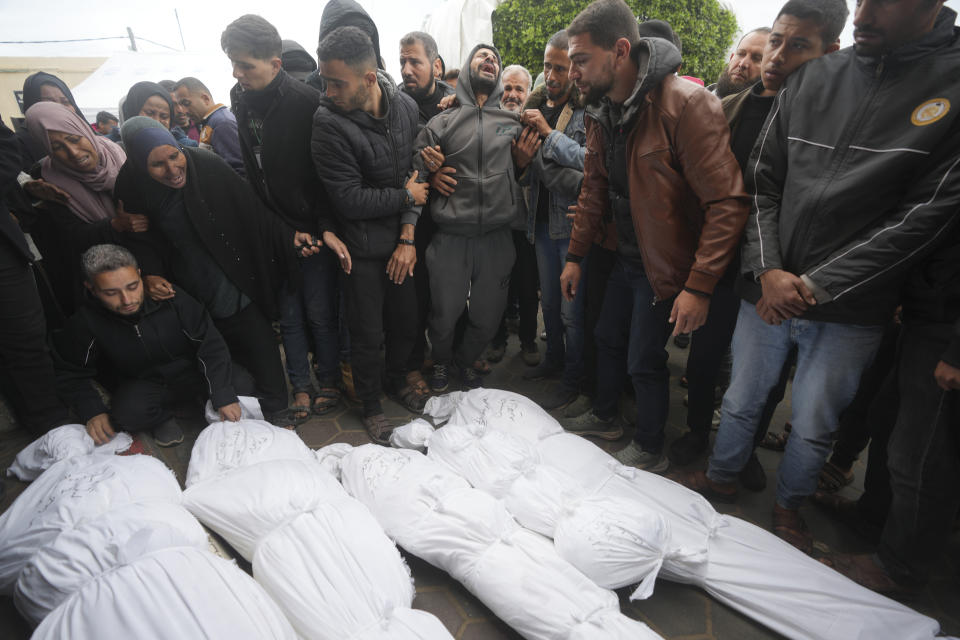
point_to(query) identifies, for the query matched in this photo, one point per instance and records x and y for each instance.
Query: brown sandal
(789, 526)
(378, 428)
(699, 482)
(326, 400)
(832, 478)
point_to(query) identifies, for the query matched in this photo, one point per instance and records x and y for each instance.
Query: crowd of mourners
(796, 219)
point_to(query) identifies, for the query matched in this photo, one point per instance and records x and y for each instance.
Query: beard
(511, 104)
(481, 84)
(417, 93)
(556, 93)
(359, 99)
(597, 91)
(727, 86)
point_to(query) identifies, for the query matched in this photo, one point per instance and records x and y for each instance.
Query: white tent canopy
(460, 25)
(105, 87)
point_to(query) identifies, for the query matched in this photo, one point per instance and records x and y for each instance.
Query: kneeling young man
(159, 353)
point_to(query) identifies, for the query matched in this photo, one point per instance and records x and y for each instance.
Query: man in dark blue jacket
(159, 351)
(363, 136)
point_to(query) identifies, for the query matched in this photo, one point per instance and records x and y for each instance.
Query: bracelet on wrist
(406, 242)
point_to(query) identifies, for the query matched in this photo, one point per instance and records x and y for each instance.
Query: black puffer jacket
(855, 173)
(287, 181)
(163, 341)
(364, 163)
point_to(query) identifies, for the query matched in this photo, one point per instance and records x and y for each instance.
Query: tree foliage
(521, 29)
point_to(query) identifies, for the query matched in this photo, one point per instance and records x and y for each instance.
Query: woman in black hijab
(153, 101)
(211, 236)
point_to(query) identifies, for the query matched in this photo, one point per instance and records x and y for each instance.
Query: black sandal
(288, 418)
(326, 400)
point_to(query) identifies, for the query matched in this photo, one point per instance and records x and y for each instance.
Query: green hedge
(521, 29)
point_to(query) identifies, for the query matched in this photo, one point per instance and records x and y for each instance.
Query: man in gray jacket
(472, 252)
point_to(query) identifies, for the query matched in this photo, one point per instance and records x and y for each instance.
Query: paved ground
(675, 611)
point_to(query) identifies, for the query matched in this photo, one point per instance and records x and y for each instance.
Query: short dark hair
(606, 21)
(193, 85)
(429, 44)
(451, 74)
(559, 40)
(351, 45)
(106, 116)
(167, 84)
(252, 35)
(660, 29)
(830, 16)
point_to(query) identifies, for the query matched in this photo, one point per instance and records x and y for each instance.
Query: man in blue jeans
(850, 191)
(554, 112)
(658, 167)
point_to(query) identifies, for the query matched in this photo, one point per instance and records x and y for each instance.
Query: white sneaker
(633, 456)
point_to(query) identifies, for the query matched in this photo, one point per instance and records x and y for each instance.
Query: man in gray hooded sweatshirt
(472, 251)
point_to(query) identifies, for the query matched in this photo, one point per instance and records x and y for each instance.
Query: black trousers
(923, 459)
(25, 364)
(856, 423)
(426, 228)
(138, 405)
(379, 312)
(524, 285)
(601, 264)
(249, 337)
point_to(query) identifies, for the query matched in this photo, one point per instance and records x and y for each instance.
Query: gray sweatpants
(460, 266)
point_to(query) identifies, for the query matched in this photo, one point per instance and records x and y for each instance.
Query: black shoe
(688, 447)
(682, 341)
(530, 353)
(495, 353)
(168, 434)
(543, 371)
(470, 379)
(559, 398)
(440, 378)
(589, 424)
(752, 476)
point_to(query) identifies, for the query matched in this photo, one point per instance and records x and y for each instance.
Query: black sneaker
(168, 434)
(496, 353)
(752, 476)
(530, 353)
(589, 424)
(440, 378)
(688, 447)
(470, 379)
(543, 371)
(558, 398)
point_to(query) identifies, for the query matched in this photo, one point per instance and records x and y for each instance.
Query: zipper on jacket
(801, 239)
(143, 344)
(480, 172)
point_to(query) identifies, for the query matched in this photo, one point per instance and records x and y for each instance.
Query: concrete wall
(14, 70)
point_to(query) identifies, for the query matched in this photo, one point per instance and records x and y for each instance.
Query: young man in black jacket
(160, 352)
(849, 192)
(275, 120)
(363, 136)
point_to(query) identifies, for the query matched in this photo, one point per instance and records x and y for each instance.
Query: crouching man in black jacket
(157, 351)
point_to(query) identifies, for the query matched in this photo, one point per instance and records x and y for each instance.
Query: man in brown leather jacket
(658, 166)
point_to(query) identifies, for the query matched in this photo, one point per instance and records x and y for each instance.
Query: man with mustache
(658, 167)
(554, 113)
(743, 68)
(472, 251)
(850, 191)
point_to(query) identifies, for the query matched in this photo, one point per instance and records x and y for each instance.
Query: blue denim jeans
(831, 358)
(632, 335)
(562, 320)
(312, 308)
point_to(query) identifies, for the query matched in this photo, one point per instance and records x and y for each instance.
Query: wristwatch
(406, 241)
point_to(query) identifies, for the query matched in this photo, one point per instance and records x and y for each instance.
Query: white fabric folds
(61, 443)
(744, 566)
(320, 553)
(436, 515)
